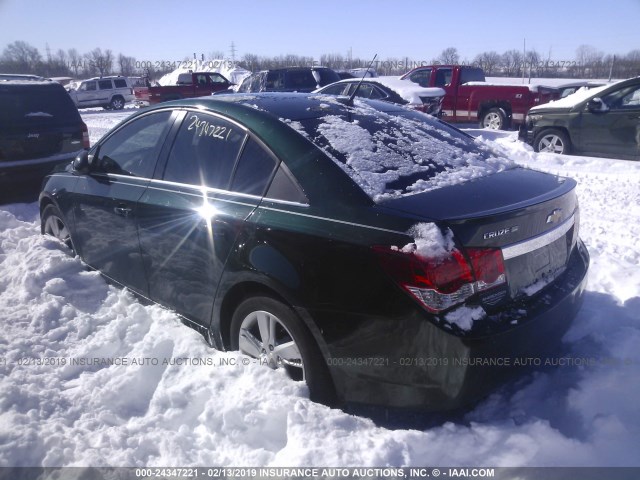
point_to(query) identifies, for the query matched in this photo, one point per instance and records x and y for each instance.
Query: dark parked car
(377, 253)
(292, 79)
(602, 121)
(40, 127)
(390, 89)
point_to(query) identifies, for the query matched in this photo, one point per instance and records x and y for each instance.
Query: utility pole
(233, 52)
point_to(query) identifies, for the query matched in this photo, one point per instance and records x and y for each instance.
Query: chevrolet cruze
(370, 250)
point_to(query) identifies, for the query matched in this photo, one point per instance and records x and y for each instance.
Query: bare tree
(587, 58)
(75, 61)
(101, 62)
(449, 56)
(126, 65)
(22, 57)
(489, 61)
(512, 63)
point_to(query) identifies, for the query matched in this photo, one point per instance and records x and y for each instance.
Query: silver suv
(108, 92)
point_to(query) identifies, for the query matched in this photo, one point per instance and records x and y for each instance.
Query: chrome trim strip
(344, 222)
(531, 244)
(58, 157)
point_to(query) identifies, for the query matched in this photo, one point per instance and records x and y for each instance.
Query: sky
(169, 31)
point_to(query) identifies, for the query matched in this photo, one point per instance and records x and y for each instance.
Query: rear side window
(204, 152)
(471, 75)
(133, 150)
(275, 81)
(339, 89)
(120, 83)
(104, 84)
(443, 77)
(301, 79)
(254, 170)
(31, 106)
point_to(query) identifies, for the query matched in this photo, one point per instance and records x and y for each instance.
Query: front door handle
(122, 210)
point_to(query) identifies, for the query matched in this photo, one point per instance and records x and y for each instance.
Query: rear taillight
(85, 136)
(443, 282)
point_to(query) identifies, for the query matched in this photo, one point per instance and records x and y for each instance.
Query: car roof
(29, 84)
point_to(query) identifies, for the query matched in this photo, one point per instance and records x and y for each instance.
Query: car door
(105, 206)
(614, 130)
(189, 217)
(105, 89)
(87, 94)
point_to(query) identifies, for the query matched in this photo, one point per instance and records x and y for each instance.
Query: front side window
(88, 86)
(421, 77)
(133, 150)
(625, 98)
(204, 152)
(216, 78)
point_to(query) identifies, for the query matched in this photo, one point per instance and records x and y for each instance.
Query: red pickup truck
(189, 85)
(468, 98)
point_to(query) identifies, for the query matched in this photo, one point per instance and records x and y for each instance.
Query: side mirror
(81, 163)
(596, 105)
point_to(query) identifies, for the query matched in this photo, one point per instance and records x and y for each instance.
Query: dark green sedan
(376, 253)
(602, 121)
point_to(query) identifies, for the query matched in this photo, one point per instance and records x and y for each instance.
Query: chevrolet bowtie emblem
(555, 216)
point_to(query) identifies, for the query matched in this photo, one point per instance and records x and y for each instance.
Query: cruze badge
(499, 233)
(555, 216)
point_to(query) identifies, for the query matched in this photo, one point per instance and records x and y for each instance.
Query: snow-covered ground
(170, 400)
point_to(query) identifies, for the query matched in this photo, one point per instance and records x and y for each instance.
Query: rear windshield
(35, 106)
(391, 154)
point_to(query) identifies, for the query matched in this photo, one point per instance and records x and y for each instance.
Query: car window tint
(443, 77)
(275, 80)
(104, 84)
(421, 77)
(470, 75)
(624, 98)
(336, 89)
(216, 78)
(284, 187)
(88, 86)
(120, 83)
(133, 150)
(204, 152)
(376, 93)
(301, 79)
(254, 170)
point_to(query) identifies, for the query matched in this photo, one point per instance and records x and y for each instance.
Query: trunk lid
(531, 216)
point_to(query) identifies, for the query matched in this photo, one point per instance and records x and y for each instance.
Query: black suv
(40, 127)
(293, 79)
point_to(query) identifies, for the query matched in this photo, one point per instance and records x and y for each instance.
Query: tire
(494, 119)
(552, 141)
(52, 223)
(117, 103)
(292, 346)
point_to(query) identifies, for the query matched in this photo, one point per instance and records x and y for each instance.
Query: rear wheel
(494, 119)
(53, 224)
(552, 141)
(266, 329)
(117, 103)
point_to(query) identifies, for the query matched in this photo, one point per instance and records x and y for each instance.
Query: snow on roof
(399, 153)
(409, 90)
(226, 68)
